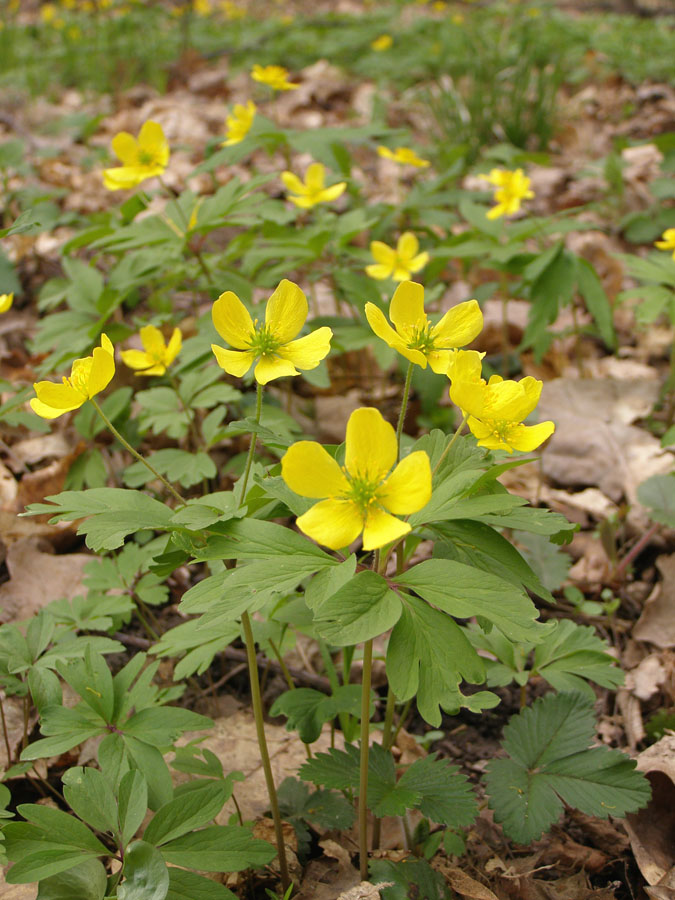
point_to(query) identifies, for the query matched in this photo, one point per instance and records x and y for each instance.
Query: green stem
(193, 431)
(135, 453)
(331, 673)
(401, 720)
(404, 408)
(454, 438)
(256, 701)
(10, 759)
(365, 742)
(251, 449)
(388, 719)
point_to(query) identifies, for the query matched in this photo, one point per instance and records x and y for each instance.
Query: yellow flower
(400, 263)
(231, 11)
(88, 377)
(6, 301)
(202, 7)
(143, 158)
(512, 187)
(404, 156)
(496, 411)
(48, 13)
(271, 343)
(274, 76)
(668, 241)
(238, 123)
(466, 366)
(362, 495)
(415, 337)
(156, 356)
(383, 42)
(457, 19)
(312, 191)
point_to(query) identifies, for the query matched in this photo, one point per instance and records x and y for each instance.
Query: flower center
(362, 491)
(81, 375)
(146, 158)
(420, 337)
(263, 340)
(502, 430)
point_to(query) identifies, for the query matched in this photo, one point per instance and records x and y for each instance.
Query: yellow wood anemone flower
(465, 365)
(6, 301)
(383, 42)
(312, 191)
(156, 355)
(272, 344)
(496, 410)
(404, 156)
(667, 241)
(143, 158)
(88, 377)
(364, 495)
(275, 77)
(512, 189)
(238, 123)
(400, 263)
(415, 337)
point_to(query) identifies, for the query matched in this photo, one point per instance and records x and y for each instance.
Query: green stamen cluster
(420, 338)
(362, 491)
(264, 341)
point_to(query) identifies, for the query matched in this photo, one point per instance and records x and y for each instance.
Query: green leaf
(658, 495)
(446, 796)
(536, 521)
(151, 763)
(597, 302)
(364, 608)
(329, 581)
(548, 560)
(90, 796)
(308, 710)
(85, 881)
(464, 592)
(192, 809)
(219, 848)
(133, 803)
(146, 876)
(178, 466)
(66, 829)
(44, 864)
(572, 653)
(92, 680)
(428, 654)
(328, 809)
(410, 878)
(190, 886)
(550, 764)
(256, 539)
(110, 514)
(334, 769)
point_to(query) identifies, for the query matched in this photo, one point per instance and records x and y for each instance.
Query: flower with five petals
(415, 337)
(88, 377)
(238, 123)
(156, 355)
(275, 77)
(512, 188)
(271, 343)
(404, 156)
(667, 241)
(400, 263)
(6, 301)
(312, 191)
(143, 158)
(364, 495)
(496, 410)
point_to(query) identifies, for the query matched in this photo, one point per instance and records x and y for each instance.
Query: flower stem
(447, 449)
(365, 741)
(256, 700)
(404, 408)
(135, 453)
(251, 449)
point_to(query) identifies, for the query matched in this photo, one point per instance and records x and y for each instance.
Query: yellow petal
(514, 405)
(125, 177)
(232, 321)
(382, 528)
(315, 177)
(6, 301)
(378, 271)
(292, 183)
(125, 148)
(286, 311)
(270, 367)
(307, 352)
(309, 470)
(371, 448)
(406, 309)
(333, 192)
(529, 437)
(408, 488)
(407, 245)
(465, 365)
(102, 371)
(439, 360)
(107, 345)
(304, 202)
(174, 346)
(401, 273)
(49, 412)
(418, 262)
(383, 254)
(153, 340)
(469, 396)
(137, 359)
(234, 362)
(58, 396)
(459, 326)
(333, 523)
(496, 211)
(151, 139)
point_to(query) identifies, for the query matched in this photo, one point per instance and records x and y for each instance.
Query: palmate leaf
(551, 764)
(110, 514)
(573, 653)
(308, 710)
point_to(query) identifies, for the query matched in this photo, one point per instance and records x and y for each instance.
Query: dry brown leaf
(652, 829)
(657, 622)
(646, 678)
(365, 891)
(37, 578)
(12, 708)
(466, 885)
